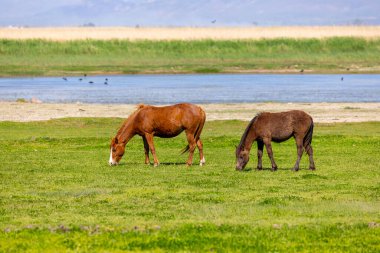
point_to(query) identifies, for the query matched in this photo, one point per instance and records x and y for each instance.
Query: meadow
(39, 57)
(58, 193)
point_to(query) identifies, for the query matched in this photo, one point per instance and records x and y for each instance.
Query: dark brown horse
(166, 122)
(277, 127)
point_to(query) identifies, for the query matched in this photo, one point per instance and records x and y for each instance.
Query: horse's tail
(185, 149)
(309, 136)
(198, 132)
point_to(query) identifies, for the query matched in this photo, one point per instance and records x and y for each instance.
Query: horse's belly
(281, 137)
(168, 134)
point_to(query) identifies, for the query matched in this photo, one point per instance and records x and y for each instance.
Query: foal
(277, 127)
(166, 122)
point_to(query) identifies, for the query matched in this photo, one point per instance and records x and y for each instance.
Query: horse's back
(168, 121)
(288, 118)
(299, 115)
(181, 112)
(280, 126)
(190, 109)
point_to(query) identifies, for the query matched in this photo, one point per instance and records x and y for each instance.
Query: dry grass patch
(189, 33)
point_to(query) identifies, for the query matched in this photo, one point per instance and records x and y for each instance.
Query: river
(195, 88)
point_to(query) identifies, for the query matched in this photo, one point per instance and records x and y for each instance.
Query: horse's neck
(248, 140)
(126, 136)
(127, 132)
(248, 143)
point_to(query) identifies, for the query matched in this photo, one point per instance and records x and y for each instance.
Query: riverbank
(321, 112)
(38, 57)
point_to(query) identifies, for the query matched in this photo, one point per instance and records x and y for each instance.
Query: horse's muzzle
(113, 163)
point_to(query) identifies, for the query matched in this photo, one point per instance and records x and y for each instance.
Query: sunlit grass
(58, 192)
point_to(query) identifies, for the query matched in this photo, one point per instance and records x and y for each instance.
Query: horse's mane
(240, 146)
(140, 106)
(133, 114)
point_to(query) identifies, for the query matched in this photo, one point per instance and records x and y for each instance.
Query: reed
(189, 33)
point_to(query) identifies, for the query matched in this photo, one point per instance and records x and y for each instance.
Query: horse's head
(117, 151)
(242, 158)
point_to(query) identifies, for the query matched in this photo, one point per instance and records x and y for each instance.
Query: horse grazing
(277, 127)
(166, 122)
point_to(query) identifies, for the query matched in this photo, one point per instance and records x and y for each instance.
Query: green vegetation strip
(58, 193)
(332, 55)
(200, 238)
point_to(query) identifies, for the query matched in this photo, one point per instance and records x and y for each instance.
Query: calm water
(165, 89)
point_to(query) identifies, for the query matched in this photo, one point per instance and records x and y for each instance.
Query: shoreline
(369, 71)
(321, 112)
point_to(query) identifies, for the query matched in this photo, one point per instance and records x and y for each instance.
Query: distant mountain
(189, 13)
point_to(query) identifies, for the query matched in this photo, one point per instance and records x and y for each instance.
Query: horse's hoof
(312, 168)
(202, 162)
(259, 168)
(295, 169)
(156, 164)
(274, 168)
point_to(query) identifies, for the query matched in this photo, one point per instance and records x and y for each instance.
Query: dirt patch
(321, 112)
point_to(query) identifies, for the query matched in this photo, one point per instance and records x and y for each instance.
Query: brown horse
(166, 122)
(277, 127)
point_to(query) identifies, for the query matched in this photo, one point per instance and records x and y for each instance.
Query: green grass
(332, 55)
(58, 194)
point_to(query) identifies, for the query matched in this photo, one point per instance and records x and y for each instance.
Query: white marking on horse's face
(111, 161)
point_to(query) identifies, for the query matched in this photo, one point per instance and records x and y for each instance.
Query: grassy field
(52, 58)
(58, 193)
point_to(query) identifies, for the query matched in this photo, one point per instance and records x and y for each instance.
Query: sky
(188, 12)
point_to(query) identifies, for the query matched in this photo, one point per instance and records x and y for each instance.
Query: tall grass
(188, 48)
(20, 57)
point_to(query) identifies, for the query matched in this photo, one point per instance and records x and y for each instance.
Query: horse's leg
(146, 150)
(192, 145)
(201, 156)
(309, 151)
(260, 148)
(149, 139)
(268, 146)
(299, 143)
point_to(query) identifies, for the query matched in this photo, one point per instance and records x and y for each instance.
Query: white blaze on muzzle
(111, 161)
